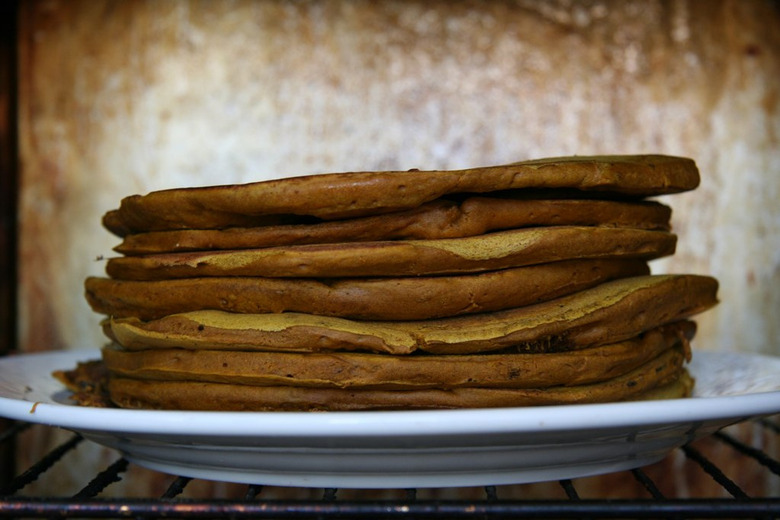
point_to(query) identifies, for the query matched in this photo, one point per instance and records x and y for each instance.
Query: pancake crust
(382, 371)
(359, 298)
(664, 370)
(437, 219)
(346, 195)
(499, 250)
(610, 312)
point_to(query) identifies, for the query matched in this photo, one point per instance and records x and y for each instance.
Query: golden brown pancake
(499, 250)
(437, 219)
(382, 371)
(416, 298)
(347, 195)
(664, 370)
(610, 312)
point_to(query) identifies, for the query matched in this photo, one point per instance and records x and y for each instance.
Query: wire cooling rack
(729, 474)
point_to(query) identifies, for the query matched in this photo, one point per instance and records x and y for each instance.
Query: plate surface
(401, 449)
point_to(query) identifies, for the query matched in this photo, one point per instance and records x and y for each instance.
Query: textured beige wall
(126, 97)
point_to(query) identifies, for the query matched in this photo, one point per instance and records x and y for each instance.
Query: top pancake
(353, 194)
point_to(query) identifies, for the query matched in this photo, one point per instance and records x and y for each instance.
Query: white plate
(401, 449)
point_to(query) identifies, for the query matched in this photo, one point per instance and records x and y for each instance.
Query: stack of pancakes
(514, 285)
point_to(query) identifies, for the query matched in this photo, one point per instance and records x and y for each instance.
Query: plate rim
(381, 423)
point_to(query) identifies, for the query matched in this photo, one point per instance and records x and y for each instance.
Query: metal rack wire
(731, 500)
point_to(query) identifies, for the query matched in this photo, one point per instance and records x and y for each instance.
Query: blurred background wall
(124, 97)
(121, 97)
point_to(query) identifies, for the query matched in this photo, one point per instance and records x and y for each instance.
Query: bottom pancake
(655, 375)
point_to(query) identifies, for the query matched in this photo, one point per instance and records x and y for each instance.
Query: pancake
(437, 219)
(499, 250)
(657, 374)
(346, 195)
(382, 371)
(607, 313)
(416, 298)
